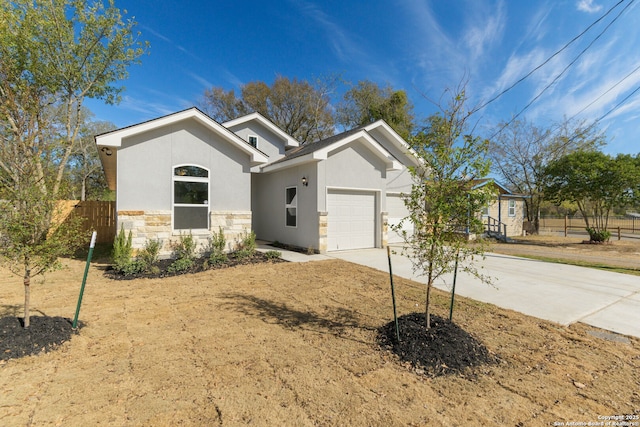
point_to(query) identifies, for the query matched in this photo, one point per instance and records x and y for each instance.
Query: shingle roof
(315, 146)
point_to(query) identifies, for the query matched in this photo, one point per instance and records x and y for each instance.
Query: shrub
(598, 235)
(148, 257)
(185, 247)
(273, 254)
(248, 242)
(132, 267)
(217, 245)
(184, 252)
(180, 264)
(121, 256)
(246, 246)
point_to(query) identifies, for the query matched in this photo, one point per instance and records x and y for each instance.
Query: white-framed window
(291, 206)
(190, 198)
(512, 207)
(253, 140)
(485, 211)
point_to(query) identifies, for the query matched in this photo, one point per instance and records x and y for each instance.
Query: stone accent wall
(151, 225)
(322, 232)
(235, 224)
(146, 225)
(384, 217)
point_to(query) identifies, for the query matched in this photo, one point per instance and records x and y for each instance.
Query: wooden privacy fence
(99, 216)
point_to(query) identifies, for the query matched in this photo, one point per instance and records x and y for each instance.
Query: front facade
(506, 212)
(181, 173)
(187, 173)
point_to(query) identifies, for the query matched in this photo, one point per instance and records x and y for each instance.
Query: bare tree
(520, 152)
(299, 108)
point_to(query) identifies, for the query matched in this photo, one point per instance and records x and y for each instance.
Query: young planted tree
(444, 204)
(53, 55)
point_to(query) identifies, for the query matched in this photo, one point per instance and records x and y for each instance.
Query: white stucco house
(185, 172)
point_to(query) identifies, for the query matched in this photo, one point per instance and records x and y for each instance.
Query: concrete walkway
(561, 293)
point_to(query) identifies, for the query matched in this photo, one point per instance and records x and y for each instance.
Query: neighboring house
(505, 213)
(185, 172)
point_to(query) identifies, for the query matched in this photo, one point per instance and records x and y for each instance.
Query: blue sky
(421, 46)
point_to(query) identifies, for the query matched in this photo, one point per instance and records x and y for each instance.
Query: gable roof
(290, 142)
(502, 190)
(109, 142)
(394, 138)
(320, 150)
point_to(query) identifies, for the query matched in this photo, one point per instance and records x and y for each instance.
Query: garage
(396, 211)
(351, 220)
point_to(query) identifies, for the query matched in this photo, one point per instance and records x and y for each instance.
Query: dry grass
(295, 345)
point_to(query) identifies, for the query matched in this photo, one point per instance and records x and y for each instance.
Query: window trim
(291, 206)
(511, 210)
(249, 140)
(178, 178)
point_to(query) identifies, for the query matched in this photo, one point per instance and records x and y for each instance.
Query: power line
(565, 69)
(606, 92)
(551, 57)
(618, 105)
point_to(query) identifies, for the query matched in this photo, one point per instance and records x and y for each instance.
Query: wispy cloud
(588, 6)
(341, 42)
(485, 27)
(201, 80)
(435, 57)
(345, 45)
(537, 27)
(149, 109)
(232, 78)
(171, 42)
(517, 66)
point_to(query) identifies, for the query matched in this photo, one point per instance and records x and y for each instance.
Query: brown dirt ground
(616, 253)
(294, 344)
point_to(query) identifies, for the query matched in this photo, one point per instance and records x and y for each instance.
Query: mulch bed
(199, 265)
(443, 349)
(44, 334)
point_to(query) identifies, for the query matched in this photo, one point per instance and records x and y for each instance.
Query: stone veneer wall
(150, 225)
(235, 224)
(384, 217)
(322, 232)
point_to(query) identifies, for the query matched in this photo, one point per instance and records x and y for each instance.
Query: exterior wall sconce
(305, 182)
(106, 151)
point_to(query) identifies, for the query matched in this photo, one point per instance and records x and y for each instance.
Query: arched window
(190, 198)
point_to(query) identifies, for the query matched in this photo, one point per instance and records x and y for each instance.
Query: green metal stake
(393, 295)
(84, 279)
(453, 291)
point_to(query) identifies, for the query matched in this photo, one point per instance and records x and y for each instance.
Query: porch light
(305, 182)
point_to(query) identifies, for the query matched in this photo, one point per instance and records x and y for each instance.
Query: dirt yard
(616, 253)
(295, 345)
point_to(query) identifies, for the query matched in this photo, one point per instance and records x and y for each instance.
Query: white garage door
(396, 212)
(351, 220)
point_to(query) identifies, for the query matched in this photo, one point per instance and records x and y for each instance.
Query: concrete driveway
(561, 293)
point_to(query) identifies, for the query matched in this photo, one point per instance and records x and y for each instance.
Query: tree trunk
(427, 311)
(83, 190)
(27, 293)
